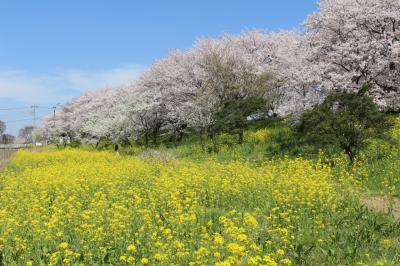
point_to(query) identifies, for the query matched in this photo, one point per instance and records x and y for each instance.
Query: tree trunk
(351, 154)
(215, 144)
(202, 142)
(125, 142)
(155, 135)
(178, 135)
(241, 137)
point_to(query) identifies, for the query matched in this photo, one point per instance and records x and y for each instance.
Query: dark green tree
(346, 120)
(232, 116)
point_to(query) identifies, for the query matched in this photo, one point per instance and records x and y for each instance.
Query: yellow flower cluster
(77, 207)
(258, 136)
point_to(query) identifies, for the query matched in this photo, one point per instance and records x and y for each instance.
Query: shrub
(346, 120)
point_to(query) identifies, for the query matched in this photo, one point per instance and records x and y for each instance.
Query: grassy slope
(357, 235)
(349, 233)
(377, 167)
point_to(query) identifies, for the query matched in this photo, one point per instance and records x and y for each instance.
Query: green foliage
(346, 120)
(232, 117)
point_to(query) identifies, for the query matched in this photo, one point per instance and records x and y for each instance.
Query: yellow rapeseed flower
(280, 252)
(250, 220)
(63, 245)
(218, 240)
(387, 242)
(236, 249)
(131, 248)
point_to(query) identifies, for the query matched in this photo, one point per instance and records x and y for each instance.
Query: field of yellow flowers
(75, 207)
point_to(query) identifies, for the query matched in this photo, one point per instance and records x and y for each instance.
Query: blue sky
(51, 51)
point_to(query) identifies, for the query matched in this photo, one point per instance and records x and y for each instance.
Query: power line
(20, 120)
(25, 119)
(14, 108)
(27, 107)
(34, 113)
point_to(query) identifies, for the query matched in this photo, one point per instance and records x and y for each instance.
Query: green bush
(345, 120)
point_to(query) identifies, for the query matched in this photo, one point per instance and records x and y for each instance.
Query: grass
(5, 156)
(274, 200)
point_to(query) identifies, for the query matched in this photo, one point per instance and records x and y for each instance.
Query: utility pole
(54, 116)
(34, 107)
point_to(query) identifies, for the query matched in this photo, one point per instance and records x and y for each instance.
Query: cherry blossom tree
(357, 42)
(345, 45)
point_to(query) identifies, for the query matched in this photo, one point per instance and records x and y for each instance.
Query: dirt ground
(383, 204)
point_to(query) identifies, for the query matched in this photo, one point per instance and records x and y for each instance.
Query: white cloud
(31, 88)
